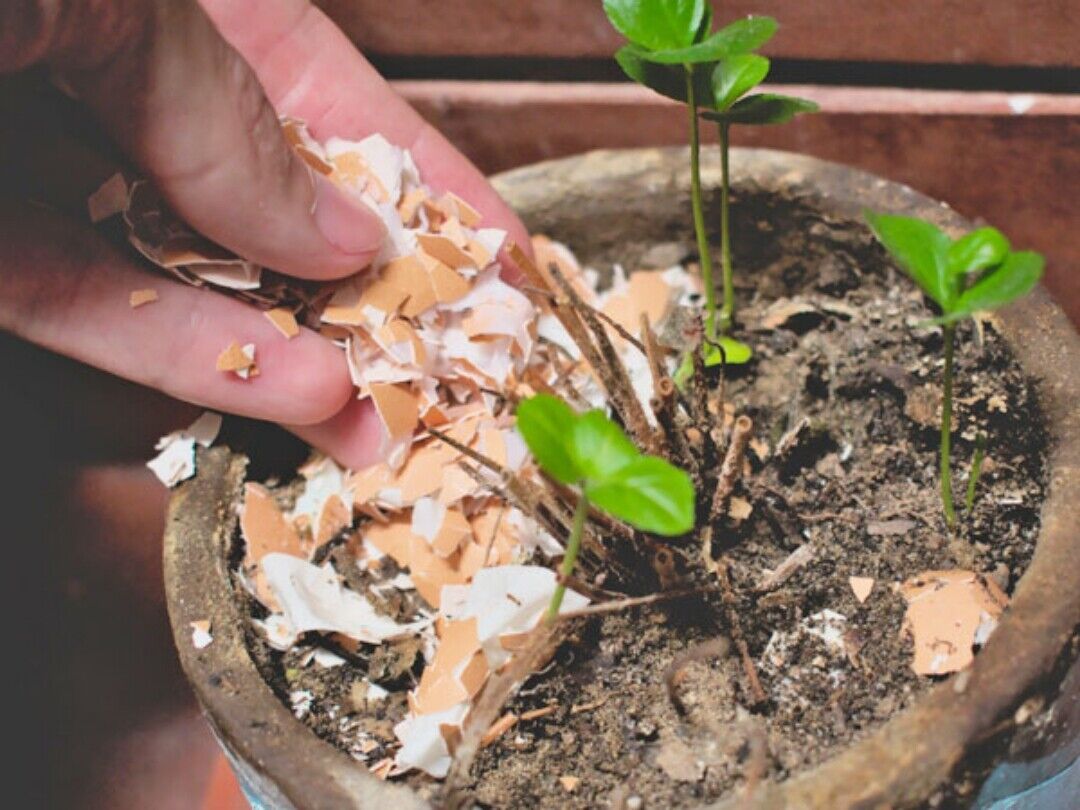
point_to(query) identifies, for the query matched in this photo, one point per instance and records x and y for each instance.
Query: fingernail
(346, 223)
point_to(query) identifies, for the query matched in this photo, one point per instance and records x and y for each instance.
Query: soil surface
(859, 486)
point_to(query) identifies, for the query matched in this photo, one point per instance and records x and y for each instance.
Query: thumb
(191, 113)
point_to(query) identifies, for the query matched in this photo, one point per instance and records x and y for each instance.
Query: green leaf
(735, 76)
(667, 80)
(547, 423)
(734, 353)
(1015, 278)
(650, 494)
(922, 250)
(599, 447)
(763, 108)
(656, 24)
(980, 249)
(742, 36)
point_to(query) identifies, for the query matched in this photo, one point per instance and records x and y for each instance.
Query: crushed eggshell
(139, 298)
(238, 359)
(569, 783)
(200, 634)
(435, 338)
(284, 321)
(740, 508)
(175, 461)
(313, 598)
(424, 742)
(109, 199)
(861, 587)
(949, 614)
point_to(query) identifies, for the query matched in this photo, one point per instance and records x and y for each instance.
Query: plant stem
(573, 546)
(949, 331)
(976, 470)
(695, 203)
(727, 313)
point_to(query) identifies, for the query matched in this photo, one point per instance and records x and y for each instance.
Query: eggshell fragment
(139, 298)
(397, 409)
(284, 321)
(200, 634)
(238, 359)
(312, 598)
(949, 613)
(175, 461)
(443, 248)
(861, 587)
(109, 199)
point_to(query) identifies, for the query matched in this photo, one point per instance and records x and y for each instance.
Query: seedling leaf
(650, 494)
(546, 423)
(763, 108)
(978, 250)
(734, 352)
(736, 75)
(1015, 278)
(599, 446)
(921, 250)
(740, 37)
(657, 24)
(667, 80)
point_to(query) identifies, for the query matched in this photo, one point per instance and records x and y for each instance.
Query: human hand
(192, 95)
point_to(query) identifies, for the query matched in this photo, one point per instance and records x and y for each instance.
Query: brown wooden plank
(1019, 171)
(982, 32)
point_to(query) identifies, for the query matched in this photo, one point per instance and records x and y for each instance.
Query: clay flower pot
(618, 205)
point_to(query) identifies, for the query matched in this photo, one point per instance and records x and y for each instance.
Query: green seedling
(590, 452)
(732, 78)
(974, 273)
(674, 52)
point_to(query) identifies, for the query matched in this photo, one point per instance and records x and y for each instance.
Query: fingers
(190, 112)
(351, 436)
(311, 71)
(67, 290)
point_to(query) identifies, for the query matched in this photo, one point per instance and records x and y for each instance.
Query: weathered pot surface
(616, 205)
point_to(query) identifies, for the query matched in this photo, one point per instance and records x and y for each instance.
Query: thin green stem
(949, 331)
(727, 313)
(698, 210)
(573, 546)
(976, 470)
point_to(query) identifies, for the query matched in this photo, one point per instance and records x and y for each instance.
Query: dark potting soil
(859, 485)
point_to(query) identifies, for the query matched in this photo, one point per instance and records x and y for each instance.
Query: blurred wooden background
(974, 103)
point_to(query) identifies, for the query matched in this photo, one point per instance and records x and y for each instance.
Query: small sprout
(591, 452)
(732, 78)
(974, 273)
(673, 51)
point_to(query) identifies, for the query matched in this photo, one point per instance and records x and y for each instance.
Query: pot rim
(900, 763)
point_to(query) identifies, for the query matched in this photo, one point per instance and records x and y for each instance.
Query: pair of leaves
(733, 78)
(943, 268)
(665, 70)
(720, 65)
(591, 451)
(677, 32)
